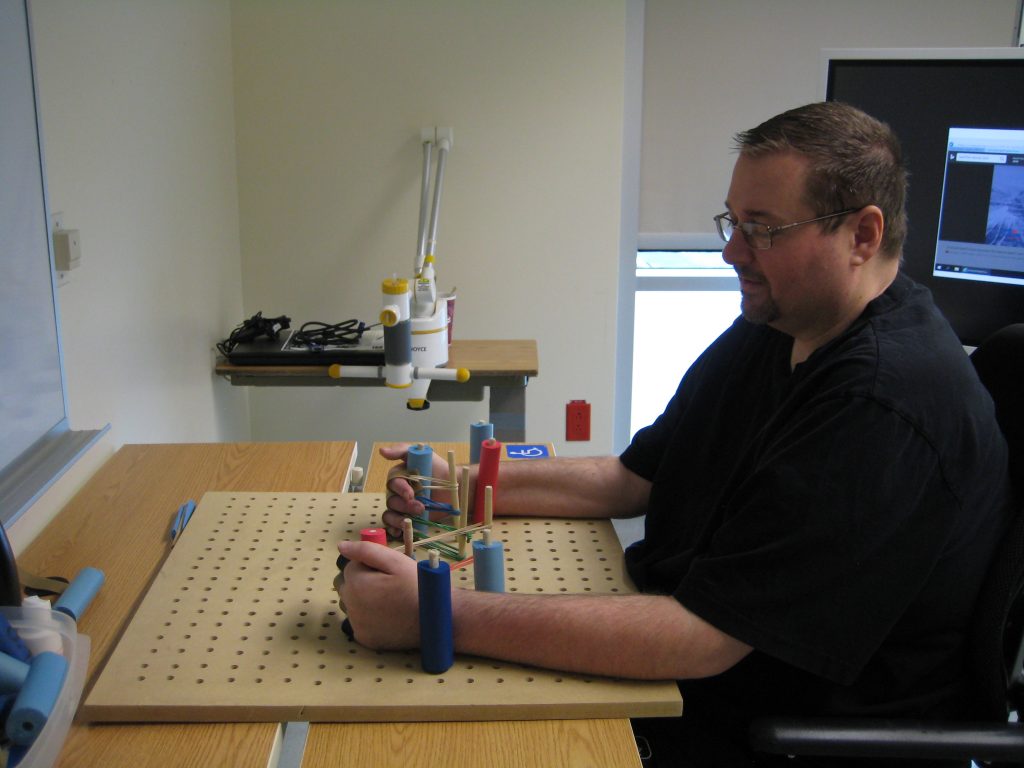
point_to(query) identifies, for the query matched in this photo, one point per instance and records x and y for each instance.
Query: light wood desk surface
(496, 357)
(120, 521)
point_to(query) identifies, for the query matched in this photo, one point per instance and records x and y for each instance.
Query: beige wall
(330, 99)
(147, 105)
(714, 68)
(137, 111)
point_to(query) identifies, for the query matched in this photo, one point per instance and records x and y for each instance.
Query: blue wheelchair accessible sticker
(526, 451)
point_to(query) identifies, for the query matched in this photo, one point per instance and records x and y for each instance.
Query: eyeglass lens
(756, 235)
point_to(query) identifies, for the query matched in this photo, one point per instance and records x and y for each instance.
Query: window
(684, 300)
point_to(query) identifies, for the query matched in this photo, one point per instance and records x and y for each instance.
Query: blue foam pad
(10, 643)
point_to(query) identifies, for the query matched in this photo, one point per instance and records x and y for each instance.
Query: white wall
(712, 69)
(137, 111)
(330, 99)
(141, 101)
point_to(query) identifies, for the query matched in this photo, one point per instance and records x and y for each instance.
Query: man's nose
(737, 250)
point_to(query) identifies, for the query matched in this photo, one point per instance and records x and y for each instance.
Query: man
(823, 492)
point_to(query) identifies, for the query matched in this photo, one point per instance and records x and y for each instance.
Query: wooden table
(612, 738)
(119, 522)
(503, 366)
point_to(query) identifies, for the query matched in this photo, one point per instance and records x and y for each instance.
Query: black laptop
(286, 350)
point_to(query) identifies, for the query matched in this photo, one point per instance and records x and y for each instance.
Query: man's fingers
(392, 521)
(373, 555)
(399, 485)
(403, 507)
(394, 452)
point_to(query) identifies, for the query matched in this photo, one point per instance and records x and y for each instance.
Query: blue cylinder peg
(420, 461)
(478, 432)
(80, 592)
(12, 673)
(37, 698)
(488, 564)
(437, 649)
(11, 643)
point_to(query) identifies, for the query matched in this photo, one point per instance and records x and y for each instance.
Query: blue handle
(80, 592)
(37, 697)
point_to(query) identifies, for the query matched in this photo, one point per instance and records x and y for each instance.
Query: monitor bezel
(970, 332)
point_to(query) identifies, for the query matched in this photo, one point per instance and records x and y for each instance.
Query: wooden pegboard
(242, 624)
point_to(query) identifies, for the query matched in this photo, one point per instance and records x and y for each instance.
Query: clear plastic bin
(48, 744)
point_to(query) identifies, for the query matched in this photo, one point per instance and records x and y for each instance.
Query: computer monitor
(959, 114)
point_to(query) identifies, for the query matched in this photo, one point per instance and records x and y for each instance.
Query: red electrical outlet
(577, 420)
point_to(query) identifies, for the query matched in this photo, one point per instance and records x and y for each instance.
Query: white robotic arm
(416, 325)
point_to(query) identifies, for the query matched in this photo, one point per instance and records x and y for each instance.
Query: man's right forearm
(593, 487)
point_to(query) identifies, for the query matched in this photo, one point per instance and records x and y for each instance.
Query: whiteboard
(32, 400)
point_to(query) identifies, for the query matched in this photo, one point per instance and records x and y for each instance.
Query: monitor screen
(959, 115)
(981, 214)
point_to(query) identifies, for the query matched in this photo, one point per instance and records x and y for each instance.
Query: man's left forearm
(648, 637)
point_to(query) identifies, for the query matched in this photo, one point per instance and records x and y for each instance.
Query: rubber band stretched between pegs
(419, 477)
(447, 550)
(430, 483)
(444, 549)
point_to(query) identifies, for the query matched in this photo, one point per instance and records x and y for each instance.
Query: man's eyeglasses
(759, 235)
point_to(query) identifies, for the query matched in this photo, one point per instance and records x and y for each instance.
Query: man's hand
(401, 498)
(379, 592)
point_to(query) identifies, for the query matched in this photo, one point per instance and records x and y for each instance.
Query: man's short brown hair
(855, 160)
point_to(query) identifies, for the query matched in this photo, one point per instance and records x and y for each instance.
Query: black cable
(252, 329)
(317, 335)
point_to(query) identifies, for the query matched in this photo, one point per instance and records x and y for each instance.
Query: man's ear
(868, 225)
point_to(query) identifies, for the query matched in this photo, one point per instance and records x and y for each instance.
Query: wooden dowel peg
(407, 537)
(453, 478)
(488, 506)
(464, 510)
(464, 493)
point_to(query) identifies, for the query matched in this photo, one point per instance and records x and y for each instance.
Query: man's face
(802, 282)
